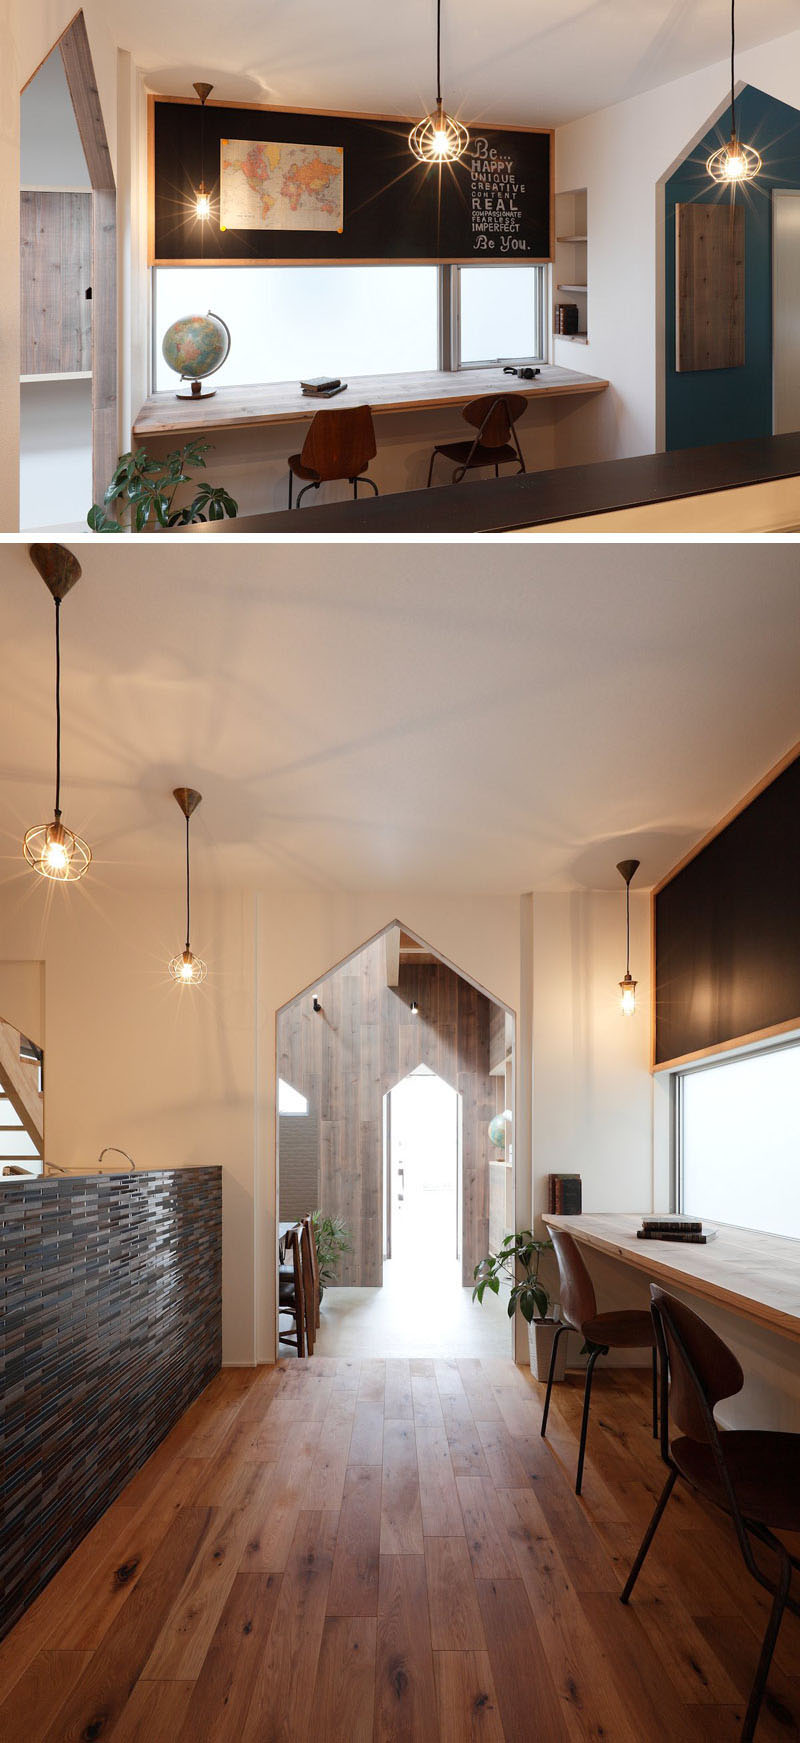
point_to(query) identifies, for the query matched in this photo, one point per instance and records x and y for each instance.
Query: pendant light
(627, 986)
(187, 969)
(202, 203)
(733, 162)
(51, 849)
(439, 138)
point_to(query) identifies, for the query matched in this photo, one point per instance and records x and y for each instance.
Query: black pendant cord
(733, 49)
(439, 53)
(627, 929)
(58, 711)
(187, 883)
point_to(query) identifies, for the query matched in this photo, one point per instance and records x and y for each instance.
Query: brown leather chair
(752, 1474)
(628, 1329)
(339, 444)
(493, 416)
(296, 1292)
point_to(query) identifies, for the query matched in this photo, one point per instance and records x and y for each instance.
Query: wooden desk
(281, 402)
(753, 1274)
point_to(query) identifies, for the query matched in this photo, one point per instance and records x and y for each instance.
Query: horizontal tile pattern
(111, 1325)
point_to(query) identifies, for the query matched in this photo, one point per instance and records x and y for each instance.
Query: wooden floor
(343, 1551)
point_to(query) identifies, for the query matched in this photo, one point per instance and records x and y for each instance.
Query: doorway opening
(405, 1145)
(68, 249)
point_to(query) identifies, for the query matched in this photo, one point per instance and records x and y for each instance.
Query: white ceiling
(465, 717)
(538, 63)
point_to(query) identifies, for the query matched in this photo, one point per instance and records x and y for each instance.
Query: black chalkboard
(727, 930)
(492, 205)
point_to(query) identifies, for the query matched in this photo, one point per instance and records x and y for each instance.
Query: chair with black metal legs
(753, 1475)
(627, 1329)
(495, 442)
(340, 445)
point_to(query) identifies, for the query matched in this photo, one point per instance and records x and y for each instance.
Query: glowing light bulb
(188, 969)
(627, 989)
(734, 163)
(202, 206)
(55, 855)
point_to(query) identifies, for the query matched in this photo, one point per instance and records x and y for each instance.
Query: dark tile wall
(110, 1324)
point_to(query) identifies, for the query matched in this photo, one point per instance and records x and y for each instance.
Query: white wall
(620, 155)
(27, 34)
(51, 154)
(55, 477)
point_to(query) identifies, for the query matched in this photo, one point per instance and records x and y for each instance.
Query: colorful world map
(272, 186)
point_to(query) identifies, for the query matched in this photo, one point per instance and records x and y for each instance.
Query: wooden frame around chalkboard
(155, 97)
(775, 1030)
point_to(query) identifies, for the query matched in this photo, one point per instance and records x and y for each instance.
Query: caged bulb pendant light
(187, 969)
(733, 162)
(438, 138)
(627, 986)
(51, 849)
(202, 202)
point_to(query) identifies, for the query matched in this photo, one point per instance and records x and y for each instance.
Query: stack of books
(323, 386)
(565, 1194)
(672, 1228)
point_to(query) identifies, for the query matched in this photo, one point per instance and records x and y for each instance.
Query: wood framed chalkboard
(353, 176)
(726, 929)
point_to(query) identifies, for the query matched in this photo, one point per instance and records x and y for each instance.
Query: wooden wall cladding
(727, 930)
(710, 296)
(55, 274)
(495, 204)
(111, 1326)
(348, 1056)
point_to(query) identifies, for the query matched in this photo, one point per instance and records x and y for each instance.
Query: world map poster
(272, 186)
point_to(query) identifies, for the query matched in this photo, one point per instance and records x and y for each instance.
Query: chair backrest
(576, 1293)
(340, 443)
(702, 1369)
(309, 1289)
(308, 1222)
(294, 1249)
(493, 416)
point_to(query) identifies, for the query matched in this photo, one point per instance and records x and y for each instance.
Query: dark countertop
(536, 498)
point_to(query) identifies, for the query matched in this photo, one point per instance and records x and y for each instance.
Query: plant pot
(540, 1337)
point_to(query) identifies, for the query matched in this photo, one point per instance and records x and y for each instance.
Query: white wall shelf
(571, 260)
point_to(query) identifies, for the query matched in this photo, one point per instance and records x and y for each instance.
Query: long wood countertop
(755, 1274)
(281, 402)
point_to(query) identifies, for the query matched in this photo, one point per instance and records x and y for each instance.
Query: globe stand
(197, 392)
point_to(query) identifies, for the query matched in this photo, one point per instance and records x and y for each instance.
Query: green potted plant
(519, 1258)
(144, 489)
(332, 1239)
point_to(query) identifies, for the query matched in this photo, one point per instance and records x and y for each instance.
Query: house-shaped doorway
(404, 1068)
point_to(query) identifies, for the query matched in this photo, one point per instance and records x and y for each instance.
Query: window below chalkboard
(737, 1137)
(291, 322)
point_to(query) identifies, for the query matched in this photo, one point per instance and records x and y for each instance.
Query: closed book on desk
(321, 383)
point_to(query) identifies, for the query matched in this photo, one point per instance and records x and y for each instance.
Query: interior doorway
(423, 1152)
(405, 1068)
(68, 303)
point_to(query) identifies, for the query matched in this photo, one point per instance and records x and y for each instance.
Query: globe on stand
(196, 347)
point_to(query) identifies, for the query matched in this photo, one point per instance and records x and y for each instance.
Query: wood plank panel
(405, 1691)
(344, 1689)
(452, 1599)
(280, 1709)
(709, 265)
(223, 1690)
(401, 1510)
(40, 1694)
(530, 1710)
(352, 1053)
(354, 1579)
(468, 1710)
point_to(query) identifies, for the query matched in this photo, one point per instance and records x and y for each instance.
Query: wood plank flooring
(354, 1552)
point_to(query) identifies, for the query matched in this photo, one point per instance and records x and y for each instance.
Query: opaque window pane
(741, 1142)
(499, 312)
(291, 322)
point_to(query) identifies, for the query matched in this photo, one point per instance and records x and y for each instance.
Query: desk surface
(754, 1274)
(533, 499)
(281, 402)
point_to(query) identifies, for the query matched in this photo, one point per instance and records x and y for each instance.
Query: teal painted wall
(723, 405)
